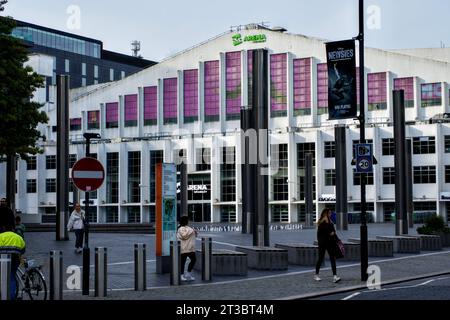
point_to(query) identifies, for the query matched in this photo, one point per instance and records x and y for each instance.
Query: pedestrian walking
(327, 239)
(7, 220)
(187, 236)
(20, 227)
(76, 223)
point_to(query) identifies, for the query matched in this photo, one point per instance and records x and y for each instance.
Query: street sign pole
(362, 121)
(86, 249)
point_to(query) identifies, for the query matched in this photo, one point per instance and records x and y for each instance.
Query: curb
(361, 287)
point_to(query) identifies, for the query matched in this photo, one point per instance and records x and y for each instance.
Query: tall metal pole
(362, 121)
(62, 146)
(341, 178)
(86, 250)
(409, 184)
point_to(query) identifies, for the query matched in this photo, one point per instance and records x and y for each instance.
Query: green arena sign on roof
(255, 38)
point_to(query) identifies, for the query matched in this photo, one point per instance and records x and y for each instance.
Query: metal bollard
(206, 259)
(140, 267)
(101, 276)
(5, 276)
(175, 259)
(56, 275)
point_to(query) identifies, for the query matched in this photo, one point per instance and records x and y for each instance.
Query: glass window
(424, 145)
(134, 176)
(134, 215)
(278, 85)
(170, 102)
(111, 74)
(83, 82)
(388, 175)
(425, 175)
(228, 214)
(112, 177)
(122, 74)
(50, 185)
(431, 95)
(150, 105)
(50, 162)
(72, 160)
(75, 124)
(93, 120)
(203, 159)
(357, 178)
(330, 149)
(447, 174)
(233, 85)
(131, 101)
(279, 166)
(228, 175)
(95, 71)
(112, 215)
(211, 91)
(322, 88)
(447, 144)
(330, 177)
(280, 213)
(302, 87)
(190, 95)
(83, 69)
(302, 150)
(388, 147)
(377, 91)
(112, 115)
(407, 85)
(31, 186)
(31, 163)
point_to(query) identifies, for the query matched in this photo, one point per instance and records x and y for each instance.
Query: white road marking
(352, 296)
(88, 174)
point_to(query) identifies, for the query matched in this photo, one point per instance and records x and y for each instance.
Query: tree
(20, 116)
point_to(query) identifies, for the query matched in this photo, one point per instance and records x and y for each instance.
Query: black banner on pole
(341, 60)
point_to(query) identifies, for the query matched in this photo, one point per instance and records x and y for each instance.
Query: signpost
(364, 158)
(88, 175)
(166, 213)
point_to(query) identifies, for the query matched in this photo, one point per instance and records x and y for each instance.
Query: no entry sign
(88, 174)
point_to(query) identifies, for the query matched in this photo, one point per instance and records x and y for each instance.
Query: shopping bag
(340, 250)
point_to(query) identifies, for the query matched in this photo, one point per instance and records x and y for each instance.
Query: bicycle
(30, 280)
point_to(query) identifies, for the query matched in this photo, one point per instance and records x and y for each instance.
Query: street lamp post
(362, 121)
(86, 250)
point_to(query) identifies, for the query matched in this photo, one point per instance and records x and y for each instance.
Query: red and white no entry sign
(88, 174)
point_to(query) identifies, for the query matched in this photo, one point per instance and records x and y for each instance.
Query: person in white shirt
(187, 236)
(76, 223)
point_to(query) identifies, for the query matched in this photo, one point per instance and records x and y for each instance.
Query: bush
(434, 225)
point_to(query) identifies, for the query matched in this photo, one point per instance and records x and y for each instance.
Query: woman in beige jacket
(187, 236)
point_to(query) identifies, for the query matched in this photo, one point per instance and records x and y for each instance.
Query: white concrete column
(216, 159)
(123, 182)
(293, 185)
(140, 111)
(223, 92)
(102, 119)
(101, 193)
(238, 161)
(440, 169)
(418, 93)
(319, 169)
(390, 95)
(180, 99)
(145, 182)
(160, 105)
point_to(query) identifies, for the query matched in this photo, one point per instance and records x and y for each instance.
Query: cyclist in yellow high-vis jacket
(13, 244)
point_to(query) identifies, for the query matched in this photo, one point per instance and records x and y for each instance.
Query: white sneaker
(190, 277)
(336, 279)
(317, 278)
(183, 278)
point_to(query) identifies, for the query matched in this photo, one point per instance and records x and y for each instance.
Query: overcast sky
(165, 27)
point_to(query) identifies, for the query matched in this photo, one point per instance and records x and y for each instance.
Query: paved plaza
(296, 282)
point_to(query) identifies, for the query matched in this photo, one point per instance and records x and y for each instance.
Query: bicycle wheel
(37, 287)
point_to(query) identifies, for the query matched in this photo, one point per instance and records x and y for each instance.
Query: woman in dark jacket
(326, 237)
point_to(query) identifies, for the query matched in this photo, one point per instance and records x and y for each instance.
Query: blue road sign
(364, 158)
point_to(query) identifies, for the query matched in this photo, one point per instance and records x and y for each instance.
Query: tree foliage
(19, 116)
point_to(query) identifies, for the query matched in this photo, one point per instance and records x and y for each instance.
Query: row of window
(421, 175)
(301, 88)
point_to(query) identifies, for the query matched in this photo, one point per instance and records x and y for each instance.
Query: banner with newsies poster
(166, 207)
(341, 63)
